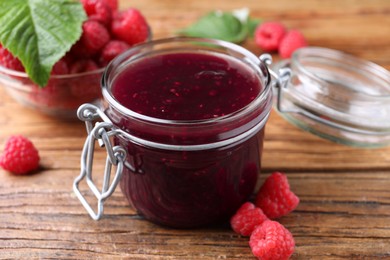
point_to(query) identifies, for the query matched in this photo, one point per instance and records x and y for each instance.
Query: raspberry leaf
(229, 26)
(40, 32)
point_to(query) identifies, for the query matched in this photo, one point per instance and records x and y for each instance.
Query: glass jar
(181, 173)
(335, 95)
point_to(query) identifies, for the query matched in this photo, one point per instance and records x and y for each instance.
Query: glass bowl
(62, 95)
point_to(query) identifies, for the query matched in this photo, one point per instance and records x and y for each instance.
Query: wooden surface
(345, 192)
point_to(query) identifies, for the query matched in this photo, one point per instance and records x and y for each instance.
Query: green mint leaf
(40, 32)
(218, 25)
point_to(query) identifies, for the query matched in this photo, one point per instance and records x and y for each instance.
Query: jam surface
(186, 86)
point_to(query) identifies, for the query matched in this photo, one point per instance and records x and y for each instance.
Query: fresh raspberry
(95, 36)
(86, 88)
(9, 61)
(83, 65)
(272, 241)
(54, 94)
(98, 10)
(130, 26)
(275, 197)
(60, 68)
(113, 4)
(19, 156)
(247, 218)
(111, 50)
(292, 41)
(268, 35)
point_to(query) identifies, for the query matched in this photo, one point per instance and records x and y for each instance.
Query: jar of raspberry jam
(182, 122)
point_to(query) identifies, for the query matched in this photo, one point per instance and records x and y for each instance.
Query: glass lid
(334, 95)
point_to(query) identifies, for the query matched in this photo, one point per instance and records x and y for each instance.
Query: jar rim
(135, 52)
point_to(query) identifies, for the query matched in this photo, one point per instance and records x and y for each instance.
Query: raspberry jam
(194, 117)
(186, 86)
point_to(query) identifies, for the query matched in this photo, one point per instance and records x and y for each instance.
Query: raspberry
(113, 4)
(268, 35)
(111, 50)
(275, 197)
(130, 26)
(9, 61)
(98, 10)
(272, 241)
(86, 89)
(95, 36)
(292, 41)
(247, 218)
(60, 68)
(19, 156)
(83, 65)
(54, 94)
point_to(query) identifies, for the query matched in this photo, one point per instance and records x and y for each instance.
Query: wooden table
(345, 192)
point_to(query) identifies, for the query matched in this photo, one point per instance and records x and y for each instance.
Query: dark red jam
(176, 187)
(186, 86)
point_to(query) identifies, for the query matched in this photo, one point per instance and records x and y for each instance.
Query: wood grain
(345, 192)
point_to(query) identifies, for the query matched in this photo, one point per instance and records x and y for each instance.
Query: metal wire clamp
(116, 155)
(280, 84)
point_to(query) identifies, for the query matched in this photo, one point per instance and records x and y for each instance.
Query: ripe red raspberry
(275, 197)
(272, 241)
(98, 10)
(113, 4)
(83, 65)
(268, 35)
(292, 41)
(9, 61)
(20, 155)
(87, 87)
(111, 50)
(130, 26)
(95, 36)
(247, 218)
(60, 68)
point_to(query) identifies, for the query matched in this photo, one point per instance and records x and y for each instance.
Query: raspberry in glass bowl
(75, 79)
(60, 97)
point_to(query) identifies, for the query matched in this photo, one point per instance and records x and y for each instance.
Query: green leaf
(252, 25)
(218, 25)
(40, 32)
